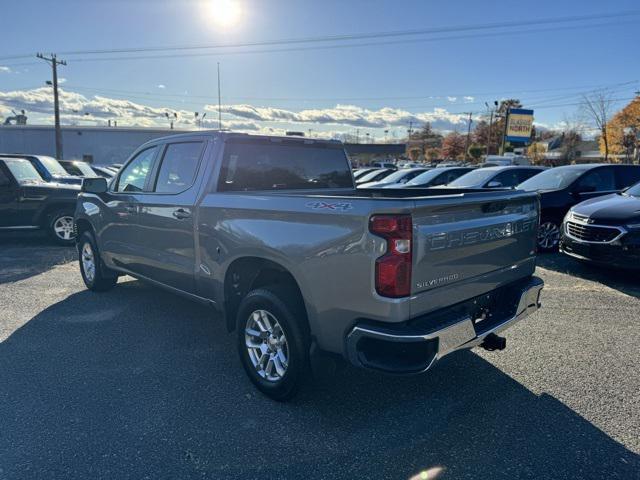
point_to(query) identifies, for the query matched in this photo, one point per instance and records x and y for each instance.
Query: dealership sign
(519, 125)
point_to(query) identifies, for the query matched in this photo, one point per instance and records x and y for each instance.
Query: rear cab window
(250, 164)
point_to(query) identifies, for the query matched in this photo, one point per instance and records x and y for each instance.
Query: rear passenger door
(166, 217)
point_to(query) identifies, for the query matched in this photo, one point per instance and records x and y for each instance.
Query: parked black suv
(27, 202)
(48, 167)
(605, 230)
(561, 188)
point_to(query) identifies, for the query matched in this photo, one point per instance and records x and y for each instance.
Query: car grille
(581, 218)
(591, 233)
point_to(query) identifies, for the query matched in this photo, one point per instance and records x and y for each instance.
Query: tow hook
(494, 342)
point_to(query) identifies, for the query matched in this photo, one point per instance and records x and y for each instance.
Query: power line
(354, 37)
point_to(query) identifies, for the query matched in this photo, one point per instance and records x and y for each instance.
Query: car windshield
(368, 177)
(53, 166)
(553, 179)
(633, 190)
(425, 177)
(23, 171)
(399, 175)
(477, 177)
(84, 168)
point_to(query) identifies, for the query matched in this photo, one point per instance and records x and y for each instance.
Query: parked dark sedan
(48, 167)
(375, 175)
(562, 187)
(605, 230)
(78, 168)
(399, 177)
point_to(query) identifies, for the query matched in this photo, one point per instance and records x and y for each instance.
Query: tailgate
(461, 237)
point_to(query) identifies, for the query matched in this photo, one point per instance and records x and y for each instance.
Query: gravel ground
(137, 383)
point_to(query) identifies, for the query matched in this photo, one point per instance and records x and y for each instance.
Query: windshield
(633, 190)
(554, 179)
(368, 177)
(425, 177)
(84, 169)
(23, 171)
(471, 179)
(395, 177)
(53, 166)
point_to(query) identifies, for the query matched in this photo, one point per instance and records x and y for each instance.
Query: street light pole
(54, 62)
(466, 145)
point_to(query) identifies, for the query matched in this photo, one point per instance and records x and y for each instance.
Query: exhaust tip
(494, 342)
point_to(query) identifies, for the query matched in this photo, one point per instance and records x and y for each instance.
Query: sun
(225, 13)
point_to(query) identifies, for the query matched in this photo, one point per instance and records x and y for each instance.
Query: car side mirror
(94, 185)
(494, 184)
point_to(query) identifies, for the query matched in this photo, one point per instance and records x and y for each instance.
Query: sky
(410, 62)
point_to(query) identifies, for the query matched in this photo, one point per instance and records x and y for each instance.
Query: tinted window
(553, 179)
(474, 178)
(134, 175)
(53, 166)
(525, 174)
(508, 178)
(23, 171)
(598, 180)
(178, 167)
(373, 175)
(271, 166)
(627, 176)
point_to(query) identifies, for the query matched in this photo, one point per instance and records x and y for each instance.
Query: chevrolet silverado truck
(272, 233)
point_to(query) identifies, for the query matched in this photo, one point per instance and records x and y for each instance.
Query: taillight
(393, 269)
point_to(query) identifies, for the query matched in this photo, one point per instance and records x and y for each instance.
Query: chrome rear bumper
(403, 350)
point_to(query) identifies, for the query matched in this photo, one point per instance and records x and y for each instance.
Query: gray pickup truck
(271, 232)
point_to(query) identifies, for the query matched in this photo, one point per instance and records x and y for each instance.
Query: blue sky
(372, 87)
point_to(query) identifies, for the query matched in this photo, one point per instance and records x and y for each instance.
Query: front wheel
(548, 236)
(94, 274)
(273, 342)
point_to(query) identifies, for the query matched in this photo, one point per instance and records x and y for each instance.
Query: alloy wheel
(548, 235)
(266, 345)
(63, 228)
(88, 262)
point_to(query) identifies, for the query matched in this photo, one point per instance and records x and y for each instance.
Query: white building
(98, 145)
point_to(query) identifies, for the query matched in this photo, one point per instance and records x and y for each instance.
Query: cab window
(598, 180)
(134, 176)
(178, 168)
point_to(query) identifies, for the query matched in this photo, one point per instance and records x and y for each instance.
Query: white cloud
(452, 99)
(62, 80)
(4, 69)
(76, 107)
(469, 98)
(161, 86)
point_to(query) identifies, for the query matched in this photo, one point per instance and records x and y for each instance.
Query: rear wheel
(61, 227)
(273, 342)
(95, 275)
(548, 236)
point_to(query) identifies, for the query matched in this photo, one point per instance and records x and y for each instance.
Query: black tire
(60, 227)
(547, 229)
(287, 309)
(102, 278)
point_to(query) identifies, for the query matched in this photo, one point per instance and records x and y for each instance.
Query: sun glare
(225, 12)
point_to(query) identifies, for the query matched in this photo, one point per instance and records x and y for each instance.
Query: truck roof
(226, 135)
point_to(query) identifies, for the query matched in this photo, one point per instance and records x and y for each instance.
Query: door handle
(181, 214)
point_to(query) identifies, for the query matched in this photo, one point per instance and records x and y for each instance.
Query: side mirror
(94, 185)
(494, 184)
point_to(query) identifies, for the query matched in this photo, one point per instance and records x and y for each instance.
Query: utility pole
(219, 102)
(504, 134)
(410, 128)
(466, 144)
(54, 62)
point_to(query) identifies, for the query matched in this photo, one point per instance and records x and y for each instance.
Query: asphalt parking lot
(138, 383)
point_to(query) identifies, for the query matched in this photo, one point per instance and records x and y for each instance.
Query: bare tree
(597, 107)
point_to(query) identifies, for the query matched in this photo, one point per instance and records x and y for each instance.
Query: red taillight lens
(393, 269)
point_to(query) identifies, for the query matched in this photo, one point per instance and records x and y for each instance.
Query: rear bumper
(413, 347)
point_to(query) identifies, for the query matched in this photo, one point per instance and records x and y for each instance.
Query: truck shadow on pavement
(138, 383)
(23, 256)
(627, 282)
